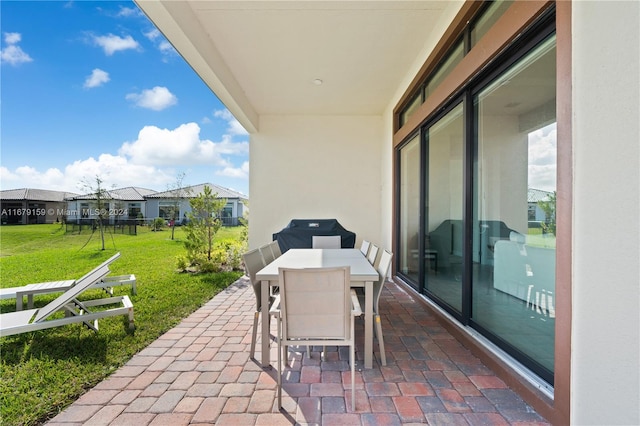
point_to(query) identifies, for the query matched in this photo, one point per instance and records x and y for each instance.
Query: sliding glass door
(513, 229)
(442, 251)
(477, 205)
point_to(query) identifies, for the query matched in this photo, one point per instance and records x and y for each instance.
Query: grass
(44, 371)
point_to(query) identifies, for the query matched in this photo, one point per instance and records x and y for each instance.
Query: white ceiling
(262, 57)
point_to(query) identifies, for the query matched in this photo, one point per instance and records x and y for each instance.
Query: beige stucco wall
(316, 167)
(605, 376)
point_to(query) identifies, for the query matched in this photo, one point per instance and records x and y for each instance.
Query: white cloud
(113, 43)
(156, 99)
(152, 34)
(166, 48)
(129, 11)
(156, 146)
(28, 177)
(97, 78)
(13, 54)
(114, 170)
(161, 43)
(149, 162)
(543, 158)
(12, 38)
(233, 126)
(241, 172)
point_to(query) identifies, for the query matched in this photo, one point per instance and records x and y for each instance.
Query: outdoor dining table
(363, 274)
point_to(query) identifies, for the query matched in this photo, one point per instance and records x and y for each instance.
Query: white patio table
(363, 274)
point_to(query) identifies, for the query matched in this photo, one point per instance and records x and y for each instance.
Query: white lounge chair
(75, 311)
(29, 290)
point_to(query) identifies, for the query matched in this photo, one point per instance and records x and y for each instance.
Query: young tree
(204, 222)
(177, 194)
(549, 209)
(101, 197)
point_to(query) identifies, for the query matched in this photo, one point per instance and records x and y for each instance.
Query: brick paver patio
(200, 373)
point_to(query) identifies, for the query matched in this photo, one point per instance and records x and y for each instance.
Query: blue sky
(92, 88)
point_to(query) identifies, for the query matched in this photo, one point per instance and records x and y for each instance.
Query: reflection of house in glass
(536, 213)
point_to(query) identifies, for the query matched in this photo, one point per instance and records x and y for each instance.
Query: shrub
(158, 224)
(226, 255)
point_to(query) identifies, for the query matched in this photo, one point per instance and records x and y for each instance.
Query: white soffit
(262, 57)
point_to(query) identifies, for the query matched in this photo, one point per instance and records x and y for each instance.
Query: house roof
(130, 193)
(535, 195)
(194, 190)
(264, 57)
(33, 194)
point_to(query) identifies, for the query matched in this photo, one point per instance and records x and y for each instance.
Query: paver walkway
(200, 372)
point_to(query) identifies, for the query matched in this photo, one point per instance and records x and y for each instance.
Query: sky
(92, 89)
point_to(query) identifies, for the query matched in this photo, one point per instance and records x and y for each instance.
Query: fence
(125, 226)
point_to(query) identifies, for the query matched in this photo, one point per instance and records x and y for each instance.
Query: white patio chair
(253, 262)
(317, 307)
(364, 247)
(267, 254)
(326, 242)
(373, 253)
(383, 270)
(275, 249)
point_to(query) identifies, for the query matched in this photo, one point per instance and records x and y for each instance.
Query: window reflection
(513, 248)
(409, 208)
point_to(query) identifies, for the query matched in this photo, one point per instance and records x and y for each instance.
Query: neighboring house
(27, 205)
(119, 204)
(399, 117)
(162, 204)
(535, 213)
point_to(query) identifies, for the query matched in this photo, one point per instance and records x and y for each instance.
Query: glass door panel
(443, 242)
(409, 210)
(513, 231)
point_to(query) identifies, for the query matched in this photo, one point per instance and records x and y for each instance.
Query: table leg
(368, 324)
(264, 321)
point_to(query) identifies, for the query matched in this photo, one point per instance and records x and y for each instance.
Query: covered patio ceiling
(302, 57)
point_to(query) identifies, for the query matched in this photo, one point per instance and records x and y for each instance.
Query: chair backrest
(315, 303)
(275, 249)
(80, 286)
(373, 253)
(364, 248)
(326, 241)
(383, 271)
(267, 254)
(253, 262)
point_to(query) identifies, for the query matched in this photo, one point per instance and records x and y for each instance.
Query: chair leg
(383, 356)
(352, 360)
(254, 334)
(280, 367)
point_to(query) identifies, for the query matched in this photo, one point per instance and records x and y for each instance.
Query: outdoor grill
(299, 233)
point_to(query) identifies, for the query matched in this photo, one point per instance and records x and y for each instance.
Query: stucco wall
(605, 376)
(316, 167)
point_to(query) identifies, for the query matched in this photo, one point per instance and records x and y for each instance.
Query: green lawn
(42, 372)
